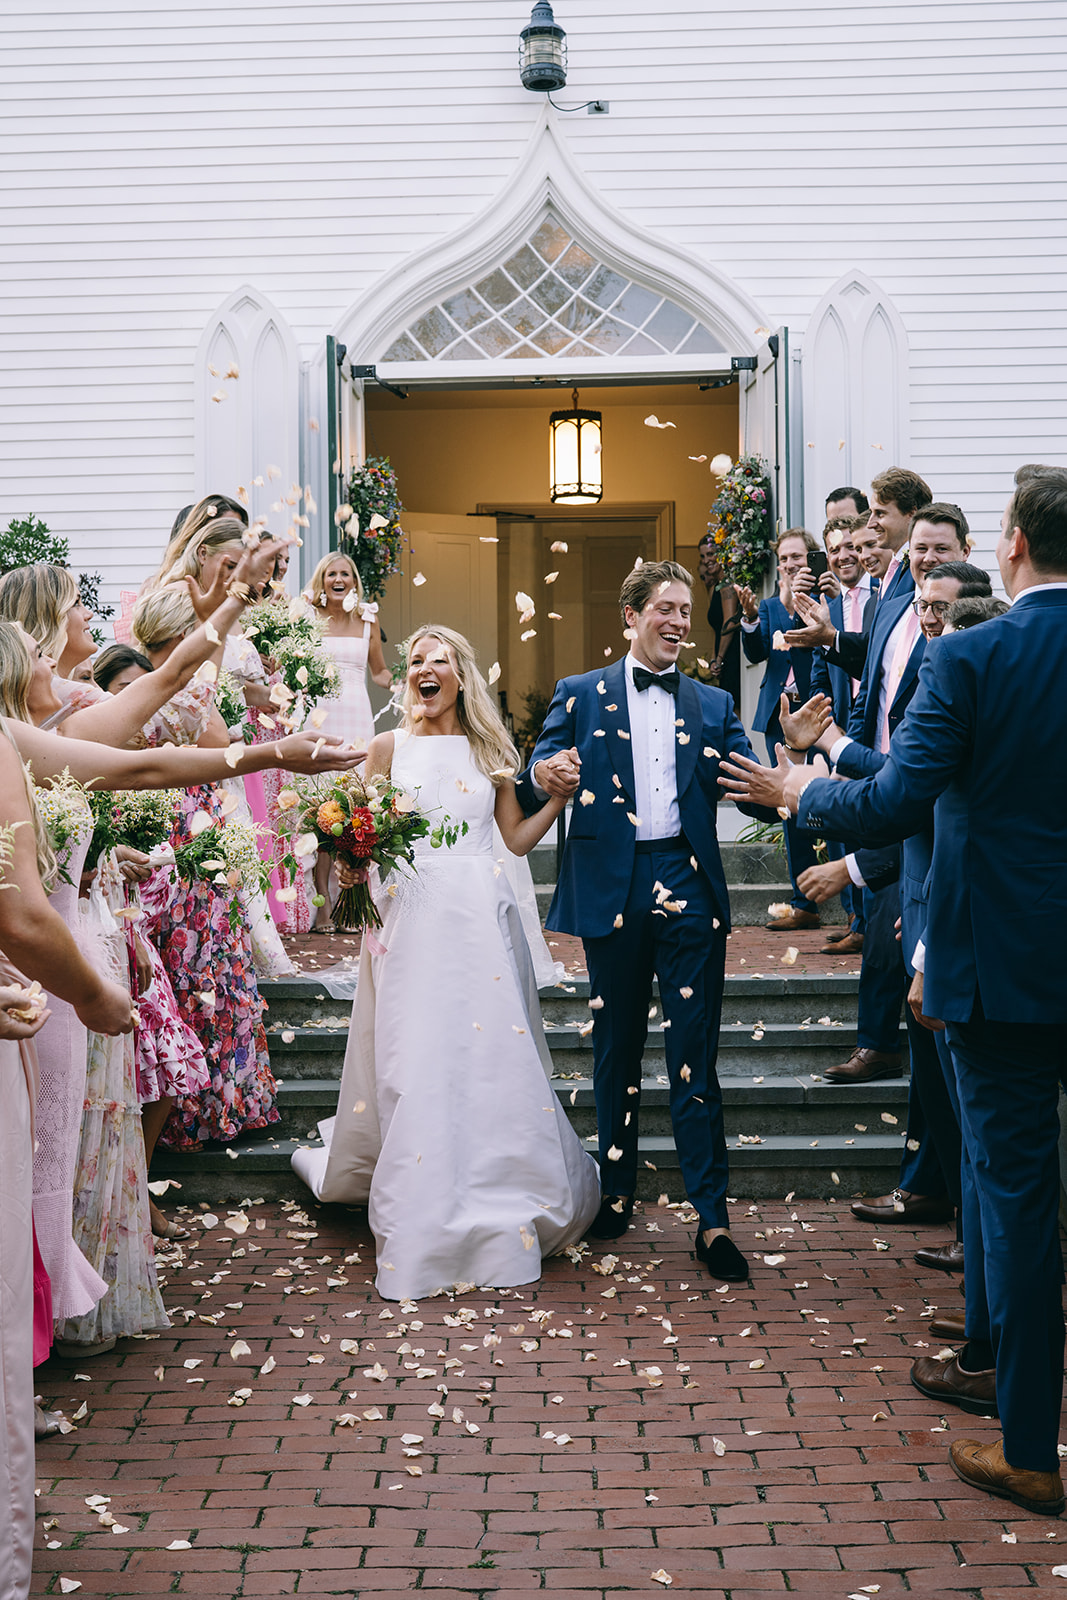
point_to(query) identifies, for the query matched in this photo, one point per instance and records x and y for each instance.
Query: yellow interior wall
(455, 451)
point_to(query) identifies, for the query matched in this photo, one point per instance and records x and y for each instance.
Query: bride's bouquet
(363, 822)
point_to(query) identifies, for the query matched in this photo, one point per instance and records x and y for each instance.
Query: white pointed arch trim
(856, 389)
(548, 181)
(254, 429)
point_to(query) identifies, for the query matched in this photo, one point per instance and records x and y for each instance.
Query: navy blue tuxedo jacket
(590, 713)
(827, 676)
(850, 651)
(985, 739)
(863, 720)
(774, 618)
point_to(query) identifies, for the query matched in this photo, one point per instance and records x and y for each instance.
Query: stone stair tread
(326, 1035)
(781, 1149)
(736, 1091)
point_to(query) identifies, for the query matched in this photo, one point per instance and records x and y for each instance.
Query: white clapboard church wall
(180, 182)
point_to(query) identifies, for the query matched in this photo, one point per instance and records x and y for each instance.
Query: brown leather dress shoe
(865, 1066)
(850, 945)
(900, 1206)
(794, 921)
(943, 1258)
(946, 1381)
(983, 1466)
(949, 1325)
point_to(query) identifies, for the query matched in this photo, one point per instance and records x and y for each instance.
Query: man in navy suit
(985, 740)
(788, 672)
(897, 883)
(896, 495)
(939, 533)
(641, 883)
(851, 609)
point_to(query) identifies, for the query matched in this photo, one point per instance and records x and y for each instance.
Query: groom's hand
(560, 774)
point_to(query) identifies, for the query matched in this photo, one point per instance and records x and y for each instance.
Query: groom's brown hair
(641, 583)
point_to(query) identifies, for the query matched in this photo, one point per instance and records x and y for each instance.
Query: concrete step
(834, 1166)
(775, 997)
(793, 1106)
(779, 1049)
(749, 903)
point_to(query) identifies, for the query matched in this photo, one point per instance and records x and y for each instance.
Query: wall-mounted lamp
(543, 51)
(576, 467)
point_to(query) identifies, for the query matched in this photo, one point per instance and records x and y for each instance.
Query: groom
(641, 883)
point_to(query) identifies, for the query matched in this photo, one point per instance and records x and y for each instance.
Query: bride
(447, 1124)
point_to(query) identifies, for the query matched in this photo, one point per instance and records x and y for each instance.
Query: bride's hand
(347, 874)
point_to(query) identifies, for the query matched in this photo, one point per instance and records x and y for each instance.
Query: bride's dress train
(447, 1125)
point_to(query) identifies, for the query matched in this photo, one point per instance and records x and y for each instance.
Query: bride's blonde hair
(492, 750)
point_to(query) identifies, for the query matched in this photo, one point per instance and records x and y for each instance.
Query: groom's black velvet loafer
(722, 1258)
(613, 1218)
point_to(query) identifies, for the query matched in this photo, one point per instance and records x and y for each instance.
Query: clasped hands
(559, 775)
(779, 788)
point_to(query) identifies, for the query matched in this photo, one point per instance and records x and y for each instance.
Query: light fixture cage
(543, 51)
(575, 440)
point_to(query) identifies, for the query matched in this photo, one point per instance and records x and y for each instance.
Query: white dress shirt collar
(1037, 588)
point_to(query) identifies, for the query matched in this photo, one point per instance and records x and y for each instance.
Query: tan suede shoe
(983, 1466)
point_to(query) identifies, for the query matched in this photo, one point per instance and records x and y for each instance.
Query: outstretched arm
(520, 832)
(555, 764)
(35, 937)
(172, 766)
(121, 717)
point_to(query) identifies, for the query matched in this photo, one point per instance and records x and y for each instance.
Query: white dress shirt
(653, 743)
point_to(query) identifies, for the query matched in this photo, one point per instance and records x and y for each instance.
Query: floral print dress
(211, 971)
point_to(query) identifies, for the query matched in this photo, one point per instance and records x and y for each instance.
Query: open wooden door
(449, 577)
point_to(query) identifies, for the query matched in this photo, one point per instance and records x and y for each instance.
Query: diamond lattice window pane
(551, 339)
(575, 266)
(524, 317)
(636, 304)
(609, 336)
(669, 326)
(494, 338)
(578, 316)
(550, 240)
(525, 267)
(551, 293)
(434, 331)
(404, 349)
(466, 310)
(701, 342)
(497, 290)
(604, 287)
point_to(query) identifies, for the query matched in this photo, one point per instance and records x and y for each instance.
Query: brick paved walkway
(758, 1441)
(748, 950)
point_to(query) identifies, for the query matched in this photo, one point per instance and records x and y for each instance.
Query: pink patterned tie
(901, 656)
(855, 624)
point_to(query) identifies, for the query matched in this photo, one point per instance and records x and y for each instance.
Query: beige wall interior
(456, 453)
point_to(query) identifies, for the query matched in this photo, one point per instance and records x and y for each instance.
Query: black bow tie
(643, 679)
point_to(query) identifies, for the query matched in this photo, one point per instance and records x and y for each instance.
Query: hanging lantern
(575, 459)
(543, 51)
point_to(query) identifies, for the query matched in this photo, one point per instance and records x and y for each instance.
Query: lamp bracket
(371, 373)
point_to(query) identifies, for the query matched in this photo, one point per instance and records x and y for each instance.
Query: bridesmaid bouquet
(362, 822)
(289, 639)
(227, 854)
(140, 819)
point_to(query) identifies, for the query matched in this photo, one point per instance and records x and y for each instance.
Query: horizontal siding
(157, 157)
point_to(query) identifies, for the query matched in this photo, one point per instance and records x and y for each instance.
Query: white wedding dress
(447, 1125)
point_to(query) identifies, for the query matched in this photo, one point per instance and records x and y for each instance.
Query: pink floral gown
(210, 969)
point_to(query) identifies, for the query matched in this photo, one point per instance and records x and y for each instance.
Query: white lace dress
(447, 1124)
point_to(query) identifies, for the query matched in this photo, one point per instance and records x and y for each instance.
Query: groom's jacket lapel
(689, 723)
(615, 721)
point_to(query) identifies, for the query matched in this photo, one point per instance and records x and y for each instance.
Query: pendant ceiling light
(575, 459)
